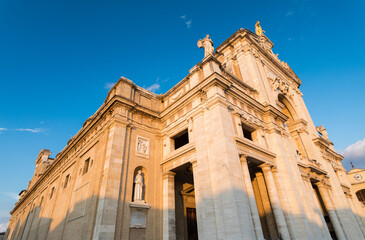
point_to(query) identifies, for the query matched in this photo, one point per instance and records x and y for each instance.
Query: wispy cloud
(356, 151)
(289, 13)
(187, 22)
(12, 195)
(109, 85)
(154, 87)
(32, 130)
(4, 219)
(3, 226)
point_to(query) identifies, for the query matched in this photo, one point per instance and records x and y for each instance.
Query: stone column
(317, 212)
(331, 211)
(168, 222)
(275, 202)
(251, 198)
(270, 220)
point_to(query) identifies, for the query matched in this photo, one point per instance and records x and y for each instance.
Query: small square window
(86, 166)
(66, 180)
(52, 192)
(181, 139)
(247, 132)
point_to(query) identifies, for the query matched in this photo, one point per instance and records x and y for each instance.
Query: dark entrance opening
(192, 224)
(185, 209)
(324, 212)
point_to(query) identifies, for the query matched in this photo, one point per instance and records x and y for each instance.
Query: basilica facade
(230, 152)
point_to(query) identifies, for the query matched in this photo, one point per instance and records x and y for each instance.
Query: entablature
(179, 157)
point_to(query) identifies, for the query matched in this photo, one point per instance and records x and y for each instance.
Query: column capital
(266, 166)
(322, 184)
(168, 174)
(306, 178)
(260, 174)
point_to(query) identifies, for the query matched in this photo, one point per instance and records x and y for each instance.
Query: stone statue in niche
(207, 44)
(138, 187)
(258, 29)
(322, 131)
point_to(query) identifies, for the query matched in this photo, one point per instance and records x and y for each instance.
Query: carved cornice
(274, 112)
(252, 149)
(299, 126)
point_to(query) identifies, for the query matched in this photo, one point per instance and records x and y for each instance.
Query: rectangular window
(181, 139)
(66, 180)
(247, 131)
(86, 166)
(52, 192)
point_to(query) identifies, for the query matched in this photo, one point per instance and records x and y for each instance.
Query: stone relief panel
(138, 218)
(143, 147)
(283, 86)
(177, 95)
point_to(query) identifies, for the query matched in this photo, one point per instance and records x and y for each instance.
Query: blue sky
(58, 58)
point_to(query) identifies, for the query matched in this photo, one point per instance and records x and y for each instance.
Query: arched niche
(145, 181)
(288, 108)
(361, 196)
(291, 123)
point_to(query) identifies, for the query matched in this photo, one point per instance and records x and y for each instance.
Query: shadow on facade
(78, 222)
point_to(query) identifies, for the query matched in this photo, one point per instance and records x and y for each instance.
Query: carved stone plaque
(138, 218)
(143, 147)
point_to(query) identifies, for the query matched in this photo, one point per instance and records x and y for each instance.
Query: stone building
(357, 180)
(230, 152)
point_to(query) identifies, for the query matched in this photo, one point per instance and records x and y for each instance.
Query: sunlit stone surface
(230, 152)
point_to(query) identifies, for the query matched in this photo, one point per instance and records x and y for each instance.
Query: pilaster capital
(274, 169)
(168, 174)
(194, 163)
(243, 158)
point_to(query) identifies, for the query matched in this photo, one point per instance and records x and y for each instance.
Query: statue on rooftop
(258, 29)
(322, 131)
(207, 44)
